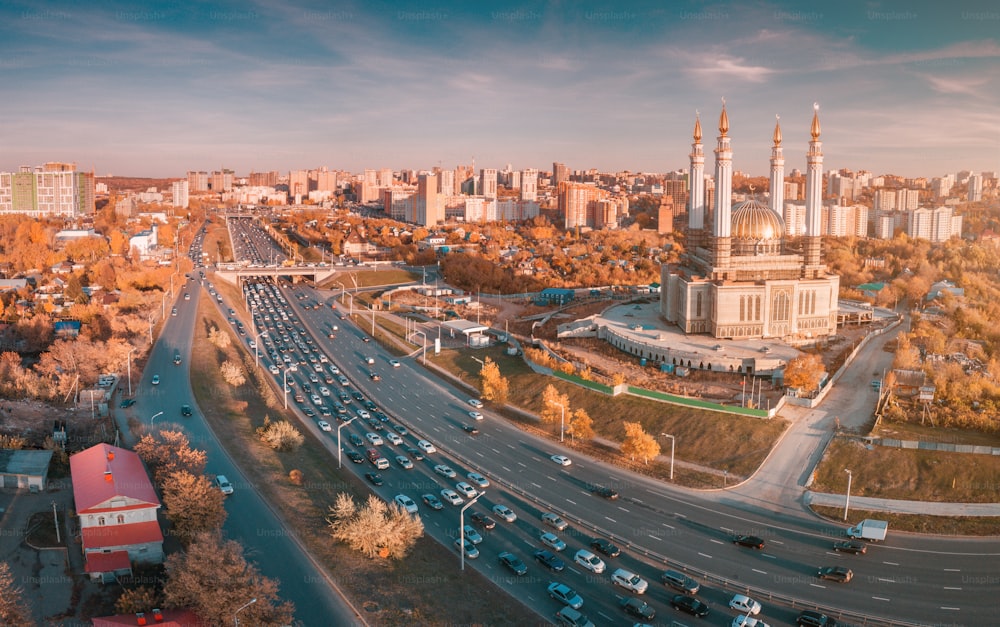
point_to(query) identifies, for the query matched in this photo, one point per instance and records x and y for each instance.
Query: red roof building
(117, 507)
(166, 618)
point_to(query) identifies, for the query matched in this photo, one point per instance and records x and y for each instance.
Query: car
(851, 546)
(629, 580)
(432, 501)
(840, 574)
(466, 490)
(475, 402)
(155, 380)
(355, 457)
(573, 618)
(475, 415)
(356, 440)
(689, 605)
(589, 561)
(505, 513)
(173, 312)
(223, 484)
(470, 549)
(562, 460)
(366, 339)
(604, 492)
(375, 439)
(404, 462)
(513, 563)
(744, 604)
(565, 595)
(308, 411)
(472, 535)
(406, 503)
(374, 477)
(470, 429)
(400, 429)
(394, 363)
(554, 521)
(374, 376)
(680, 581)
(452, 497)
(323, 390)
(369, 360)
(483, 520)
(273, 369)
(552, 541)
(752, 542)
(748, 621)
(126, 403)
(479, 480)
(605, 546)
(549, 560)
(324, 425)
(316, 400)
(187, 296)
(363, 414)
(393, 439)
(445, 471)
(638, 608)
(415, 453)
(426, 446)
(185, 410)
(812, 618)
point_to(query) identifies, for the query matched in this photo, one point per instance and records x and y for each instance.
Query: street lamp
(236, 619)
(339, 450)
(130, 370)
(373, 318)
(672, 442)
(256, 347)
(562, 419)
(461, 528)
(284, 381)
(155, 416)
(847, 501)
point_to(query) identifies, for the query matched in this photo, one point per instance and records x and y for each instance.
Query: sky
(159, 88)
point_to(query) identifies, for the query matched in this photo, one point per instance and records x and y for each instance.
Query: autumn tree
(280, 436)
(213, 579)
(167, 451)
(232, 373)
(193, 504)
(804, 372)
(581, 425)
(555, 406)
(140, 599)
(495, 387)
(638, 443)
(13, 610)
(377, 529)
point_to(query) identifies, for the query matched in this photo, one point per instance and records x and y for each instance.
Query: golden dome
(756, 230)
(815, 124)
(697, 128)
(723, 120)
(777, 131)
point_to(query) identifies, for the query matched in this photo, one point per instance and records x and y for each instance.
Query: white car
(393, 439)
(451, 496)
(552, 541)
(589, 561)
(554, 521)
(466, 490)
(426, 446)
(444, 471)
(504, 512)
(470, 549)
(475, 402)
(223, 484)
(324, 425)
(406, 503)
(748, 621)
(479, 480)
(394, 363)
(363, 414)
(315, 400)
(629, 581)
(475, 415)
(404, 462)
(375, 439)
(323, 390)
(562, 460)
(273, 369)
(472, 535)
(744, 604)
(156, 379)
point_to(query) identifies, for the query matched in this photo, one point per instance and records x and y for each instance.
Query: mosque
(739, 279)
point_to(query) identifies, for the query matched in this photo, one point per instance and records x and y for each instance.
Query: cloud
(956, 85)
(729, 68)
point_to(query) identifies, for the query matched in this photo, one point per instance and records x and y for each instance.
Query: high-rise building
(937, 225)
(179, 192)
(429, 210)
(55, 189)
(884, 200)
(326, 180)
(907, 199)
(488, 182)
(221, 181)
(264, 179)
(197, 181)
(446, 182)
(975, 188)
(560, 173)
(577, 203)
(400, 203)
(529, 184)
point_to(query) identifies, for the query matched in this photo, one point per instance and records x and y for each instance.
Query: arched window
(121, 519)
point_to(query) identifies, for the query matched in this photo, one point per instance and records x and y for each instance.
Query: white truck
(869, 529)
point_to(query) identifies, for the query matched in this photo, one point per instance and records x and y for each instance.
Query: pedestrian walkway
(925, 508)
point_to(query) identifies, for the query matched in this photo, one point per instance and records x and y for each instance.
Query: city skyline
(162, 88)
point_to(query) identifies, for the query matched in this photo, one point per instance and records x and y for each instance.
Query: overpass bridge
(236, 273)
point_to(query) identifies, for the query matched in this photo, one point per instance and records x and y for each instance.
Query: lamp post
(130, 370)
(562, 419)
(163, 306)
(847, 501)
(672, 442)
(284, 383)
(236, 619)
(373, 319)
(461, 528)
(339, 449)
(256, 347)
(154, 417)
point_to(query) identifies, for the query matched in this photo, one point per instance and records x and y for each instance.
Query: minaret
(696, 182)
(814, 194)
(777, 172)
(722, 218)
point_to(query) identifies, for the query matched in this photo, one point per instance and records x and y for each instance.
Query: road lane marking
(891, 563)
(880, 598)
(705, 555)
(757, 570)
(571, 502)
(952, 570)
(667, 526)
(816, 585)
(768, 556)
(611, 519)
(945, 607)
(716, 541)
(952, 588)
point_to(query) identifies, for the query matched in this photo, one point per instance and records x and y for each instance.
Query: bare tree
(193, 504)
(377, 529)
(213, 579)
(13, 610)
(281, 435)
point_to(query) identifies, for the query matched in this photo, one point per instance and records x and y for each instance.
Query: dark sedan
(470, 429)
(604, 492)
(689, 605)
(835, 573)
(374, 477)
(483, 520)
(126, 403)
(752, 542)
(604, 546)
(851, 546)
(550, 561)
(514, 563)
(355, 457)
(638, 608)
